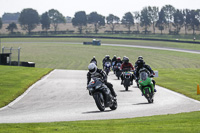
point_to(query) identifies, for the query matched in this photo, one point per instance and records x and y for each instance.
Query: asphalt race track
(62, 96)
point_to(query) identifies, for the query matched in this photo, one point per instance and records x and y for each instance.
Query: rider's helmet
(93, 57)
(92, 68)
(126, 60)
(118, 59)
(107, 57)
(140, 58)
(140, 63)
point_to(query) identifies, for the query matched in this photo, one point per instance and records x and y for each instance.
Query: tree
(178, 20)
(1, 23)
(169, 10)
(192, 20)
(29, 19)
(145, 19)
(11, 27)
(80, 20)
(96, 19)
(153, 13)
(186, 13)
(137, 19)
(128, 21)
(45, 21)
(56, 17)
(112, 21)
(161, 21)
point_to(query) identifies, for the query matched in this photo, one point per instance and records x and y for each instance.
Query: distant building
(68, 19)
(10, 17)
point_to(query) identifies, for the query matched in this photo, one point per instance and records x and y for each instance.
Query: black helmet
(126, 60)
(140, 63)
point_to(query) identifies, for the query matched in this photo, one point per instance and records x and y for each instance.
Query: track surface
(62, 96)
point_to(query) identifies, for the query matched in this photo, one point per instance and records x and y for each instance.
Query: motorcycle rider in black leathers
(141, 64)
(118, 61)
(93, 60)
(136, 63)
(98, 73)
(106, 59)
(114, 59)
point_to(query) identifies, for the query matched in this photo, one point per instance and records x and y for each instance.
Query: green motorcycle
(146, 85)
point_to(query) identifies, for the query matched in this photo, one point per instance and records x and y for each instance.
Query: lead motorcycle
(146, 85)
(102, 95)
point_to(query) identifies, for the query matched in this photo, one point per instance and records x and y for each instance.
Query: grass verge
(178, 123)
(15, 80)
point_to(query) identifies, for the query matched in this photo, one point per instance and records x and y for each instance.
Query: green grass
(182, 80)
(114, 41)
(15, 80)
(179, 123)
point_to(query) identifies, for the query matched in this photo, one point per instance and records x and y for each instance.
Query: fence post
(19, 56)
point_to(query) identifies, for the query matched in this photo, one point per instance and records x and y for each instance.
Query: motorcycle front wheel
(99, 100)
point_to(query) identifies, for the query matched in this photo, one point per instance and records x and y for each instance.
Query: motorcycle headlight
(98, 86)
(90, 89)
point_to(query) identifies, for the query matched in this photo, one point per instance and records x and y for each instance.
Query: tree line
(166, 18)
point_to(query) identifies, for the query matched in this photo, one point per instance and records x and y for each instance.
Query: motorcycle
(94, 62)
(102, 95)
(117, 70)
(146, 85)
(127, 79)
(107, 66)
(113, 66)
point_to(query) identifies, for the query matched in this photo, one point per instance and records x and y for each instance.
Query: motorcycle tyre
(99, 101)
(126, 84)
(149, 99)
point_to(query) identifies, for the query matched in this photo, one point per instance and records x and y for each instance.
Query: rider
(127, 66)
(93, 60)
(136, 63)
(141, 64)
(106, 59)
(95, 72)
(114, 58)
(118, 61)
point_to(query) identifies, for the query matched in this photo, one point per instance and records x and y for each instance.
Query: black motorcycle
(117, 70)
(127, 75)
(102, 95)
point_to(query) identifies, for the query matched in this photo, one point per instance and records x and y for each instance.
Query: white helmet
(140, 58)
(92, 68)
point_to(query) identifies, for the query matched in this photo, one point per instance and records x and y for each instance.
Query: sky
(103, 7)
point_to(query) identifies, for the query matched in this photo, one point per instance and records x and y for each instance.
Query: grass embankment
(179, 123)
(15, 80)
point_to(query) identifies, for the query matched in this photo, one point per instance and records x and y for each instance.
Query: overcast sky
(103, 7)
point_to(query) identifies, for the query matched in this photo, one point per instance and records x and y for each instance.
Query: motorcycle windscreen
(143, 76)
